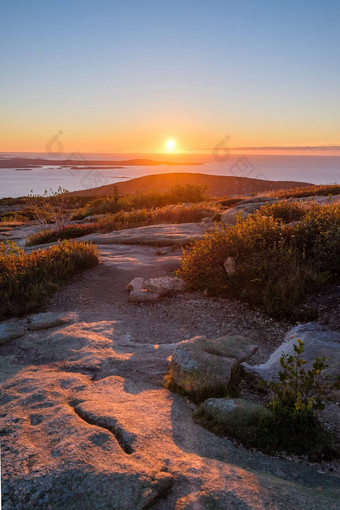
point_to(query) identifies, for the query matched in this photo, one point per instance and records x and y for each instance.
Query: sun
(171, 145)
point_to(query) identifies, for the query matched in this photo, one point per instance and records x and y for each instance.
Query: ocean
(316, 169)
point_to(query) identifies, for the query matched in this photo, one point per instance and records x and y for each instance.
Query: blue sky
(129, 75)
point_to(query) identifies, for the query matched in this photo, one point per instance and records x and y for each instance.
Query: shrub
(50, 207)
(285, 210)
(151, 200)
(299, 392)
(317, 238)
(276, 265)
(53, 235)
(124, 220)
(26, 279)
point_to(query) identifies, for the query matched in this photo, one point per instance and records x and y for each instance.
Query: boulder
(318, 342)
(135, 284)
(50, 320)
(165, 285)
(10, 330)
(143, 296)
(233, 415)
(202, 366)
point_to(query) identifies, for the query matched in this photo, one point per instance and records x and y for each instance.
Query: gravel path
(100, 294)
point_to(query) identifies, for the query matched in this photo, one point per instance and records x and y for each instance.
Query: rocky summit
(87, 423)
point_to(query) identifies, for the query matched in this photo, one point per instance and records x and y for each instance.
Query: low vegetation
(302, 192)
(124, 220)
(307, 191)
(112, 204)
(273, 264)
(26, 279)
(52, 235)
(285, 210)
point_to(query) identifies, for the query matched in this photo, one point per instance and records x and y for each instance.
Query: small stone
(230, 266)
(143, 296)
(164, 251)
(165, 285)
(135, 284)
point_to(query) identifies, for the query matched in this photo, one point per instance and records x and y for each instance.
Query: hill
(216, 185)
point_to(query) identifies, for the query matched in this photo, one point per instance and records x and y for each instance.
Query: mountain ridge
(216, 185)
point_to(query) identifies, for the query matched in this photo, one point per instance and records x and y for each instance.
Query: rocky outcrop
(202, 366)
(49, 320)
(318, 341)
(242, 210)
(154, 235)
(16, 328)
(11, 329)
(85, 423)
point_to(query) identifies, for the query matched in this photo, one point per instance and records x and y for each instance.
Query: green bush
(276, 265)
(26, 279)
(299, 392)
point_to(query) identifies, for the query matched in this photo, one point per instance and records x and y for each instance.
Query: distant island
(216, 185)
(39, 162)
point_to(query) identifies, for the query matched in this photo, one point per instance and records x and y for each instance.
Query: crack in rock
(109, 424)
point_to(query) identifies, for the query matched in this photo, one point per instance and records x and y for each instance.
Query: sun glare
(171, 145)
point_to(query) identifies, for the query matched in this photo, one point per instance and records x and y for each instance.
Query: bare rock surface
(243, 210)
(13, 328)
(85, 421)
(119, 440)
(47, 320)
(201, 366)
(159, 235)
(317, 341)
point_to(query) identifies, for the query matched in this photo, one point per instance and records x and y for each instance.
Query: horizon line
(179, 150)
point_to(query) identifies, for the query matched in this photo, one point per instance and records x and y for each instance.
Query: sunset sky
(132, 75)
